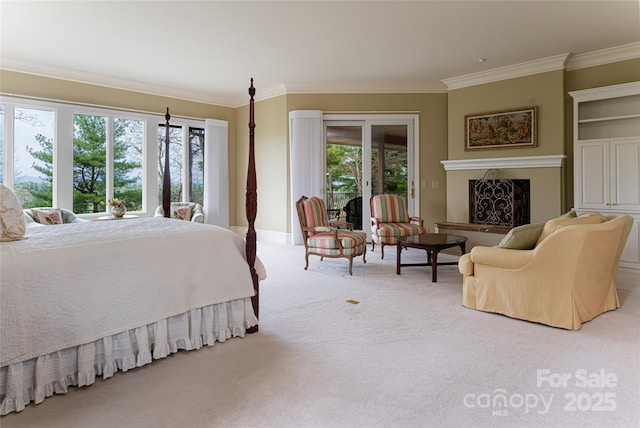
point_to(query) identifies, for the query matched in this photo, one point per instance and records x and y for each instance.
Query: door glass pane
(389, 160)
(127, 162)
(175, 161)
(89, 163)
(33, 157)
(344, 173)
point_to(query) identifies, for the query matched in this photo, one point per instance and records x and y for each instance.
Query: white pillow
(181, 210)
(47, 216)
(12, 223)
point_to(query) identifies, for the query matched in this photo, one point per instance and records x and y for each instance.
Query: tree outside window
(89, 165)
(33, 157)
(193, 190)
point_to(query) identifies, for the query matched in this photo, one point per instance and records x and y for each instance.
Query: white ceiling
(208, 50)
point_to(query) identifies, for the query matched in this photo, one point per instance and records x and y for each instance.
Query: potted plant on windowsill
(117, 207)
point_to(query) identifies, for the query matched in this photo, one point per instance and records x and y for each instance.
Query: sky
(25, 130)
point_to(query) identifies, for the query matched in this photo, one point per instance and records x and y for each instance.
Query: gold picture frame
(501, 130)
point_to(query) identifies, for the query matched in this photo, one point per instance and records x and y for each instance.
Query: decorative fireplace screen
(499, 201)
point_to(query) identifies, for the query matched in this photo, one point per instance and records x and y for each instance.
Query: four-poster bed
(89, 299)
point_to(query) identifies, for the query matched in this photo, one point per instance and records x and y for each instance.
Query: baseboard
(265, 235)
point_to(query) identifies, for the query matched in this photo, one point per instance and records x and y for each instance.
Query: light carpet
(408, 354)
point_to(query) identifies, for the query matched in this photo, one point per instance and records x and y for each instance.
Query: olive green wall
(441, 134)
(272, 166)
(432, 110)
(603, 75)
(544, 91)
(551, 188)
(19, 84)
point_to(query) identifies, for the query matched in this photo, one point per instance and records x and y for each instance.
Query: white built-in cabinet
(606, 147)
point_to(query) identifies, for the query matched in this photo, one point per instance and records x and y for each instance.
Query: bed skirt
(41, 377)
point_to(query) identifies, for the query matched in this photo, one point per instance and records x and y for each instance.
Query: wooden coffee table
(432, 243)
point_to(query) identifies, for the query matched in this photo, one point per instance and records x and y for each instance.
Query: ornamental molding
(551, 161)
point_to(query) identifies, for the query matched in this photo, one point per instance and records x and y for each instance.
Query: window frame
(63, 148)
(185, 125)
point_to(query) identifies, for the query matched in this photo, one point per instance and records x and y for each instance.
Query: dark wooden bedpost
(251, 207)
(166, 176)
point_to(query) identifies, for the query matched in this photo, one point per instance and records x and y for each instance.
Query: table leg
(434, 266)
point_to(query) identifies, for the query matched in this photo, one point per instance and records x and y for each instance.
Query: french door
(368, 157)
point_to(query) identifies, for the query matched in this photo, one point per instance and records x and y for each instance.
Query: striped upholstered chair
(322, 240)
(390, 220)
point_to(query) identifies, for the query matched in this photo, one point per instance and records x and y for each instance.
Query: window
(79, 157)
(127, 162)
(33, 156)
(91, 145)
(196, 165)
(191, 155)
(89, 163)
(175, 161)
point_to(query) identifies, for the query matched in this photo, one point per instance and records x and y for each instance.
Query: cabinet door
(630, 256)
(592, 175)
(625, 175)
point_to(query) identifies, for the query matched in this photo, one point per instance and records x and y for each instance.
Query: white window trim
(63, 153)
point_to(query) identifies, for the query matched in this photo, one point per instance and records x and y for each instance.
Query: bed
(137, 290)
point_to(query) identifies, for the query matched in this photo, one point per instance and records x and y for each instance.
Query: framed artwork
(501, 130)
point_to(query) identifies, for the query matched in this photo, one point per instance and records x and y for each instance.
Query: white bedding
(75, 283)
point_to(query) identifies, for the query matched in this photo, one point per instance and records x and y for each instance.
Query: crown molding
(268, 92)
(604, 56)
(509, 72)
(558, 62)
(365, 87)
(262, 94)
(551, 161)
(76, 76)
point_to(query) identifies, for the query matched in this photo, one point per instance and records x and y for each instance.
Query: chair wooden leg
(382, 250)
(351, 265)
(306, 259)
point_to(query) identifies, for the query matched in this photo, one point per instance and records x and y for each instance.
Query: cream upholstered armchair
(191, 211)
(390, 221)
(323, 240)
(566, 279)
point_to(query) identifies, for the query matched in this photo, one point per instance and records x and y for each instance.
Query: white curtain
(307, 161)
(216, 172)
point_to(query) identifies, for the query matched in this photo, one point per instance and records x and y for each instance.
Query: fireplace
(499, 201)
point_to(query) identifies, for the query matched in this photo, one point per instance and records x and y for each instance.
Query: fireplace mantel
(551, 161)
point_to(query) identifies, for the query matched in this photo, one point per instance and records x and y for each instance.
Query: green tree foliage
(39, 194)
(394, 174)
(344, 166)
(344, 169)
(89, 165)
(127, 162)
